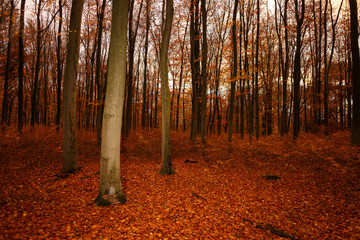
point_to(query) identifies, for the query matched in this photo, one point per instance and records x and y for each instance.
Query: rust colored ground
(226, 195)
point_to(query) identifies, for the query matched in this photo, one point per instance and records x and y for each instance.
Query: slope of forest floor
(272, 188)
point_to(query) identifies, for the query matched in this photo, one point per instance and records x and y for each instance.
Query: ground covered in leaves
(272, 188)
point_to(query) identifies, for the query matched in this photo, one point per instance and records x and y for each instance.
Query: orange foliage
(224, 195)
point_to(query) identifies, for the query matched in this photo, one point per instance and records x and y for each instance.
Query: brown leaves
(223, 195)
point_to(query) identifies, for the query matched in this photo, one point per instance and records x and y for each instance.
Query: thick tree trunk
(110, 189)
(355, 126)
(70, 148)
(167, 167)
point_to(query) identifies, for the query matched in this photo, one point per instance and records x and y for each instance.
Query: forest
(230, 119)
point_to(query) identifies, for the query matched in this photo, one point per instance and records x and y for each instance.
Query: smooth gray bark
(167, 167)
(110, 188)
(70, 148)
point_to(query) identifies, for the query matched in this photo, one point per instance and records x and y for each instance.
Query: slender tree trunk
(46, 83)
(234, 71)
(70, 148)
(285, 69)
(5, 103)
(257, 117)
(194, 42)
(326, 80)
(180, 78)
(131, 51)
(354, 25)
(349, 89)
(341, 101)
(167, 166)
(110, 188)
(59, 68)
(21, 68)
(34, 96)
(100, 98)
(144, 115)
(297, 66)
(204, 72)
(242, 80)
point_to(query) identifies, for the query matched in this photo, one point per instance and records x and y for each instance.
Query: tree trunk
(167, 167)
(297, 67)
(195, 68)
(5, 103)
(99, 110)
(144, 115)
(355, 126)
(59, 68)
(70, 148)
(110, 188)
(257, 117)
(21, 68)
(180, 78)
(34, 96)
(204, 73)
(131, 51)
(234, 72)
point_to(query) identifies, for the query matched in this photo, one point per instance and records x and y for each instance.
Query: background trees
(202, 55)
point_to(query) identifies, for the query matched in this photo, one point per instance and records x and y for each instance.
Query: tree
(59, 67)
(70, 148)
(284, 62)
(130, 90)
(257, 117)
(4, 114)
(204, 72)
(144, 116)
(21, 67)
(167, 167)
(234, 71)
(110, 188)
(195, 66)
(98, 73)
(299, 14)
(328, 64)
(354, 25)
(34, 95)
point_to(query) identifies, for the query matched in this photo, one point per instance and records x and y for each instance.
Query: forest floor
(272, 188)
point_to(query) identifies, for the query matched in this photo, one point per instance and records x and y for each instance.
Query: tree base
(70, 170)
(106, 200)
(167, 171)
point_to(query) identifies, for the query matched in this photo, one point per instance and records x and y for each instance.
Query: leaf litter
(220, 190)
